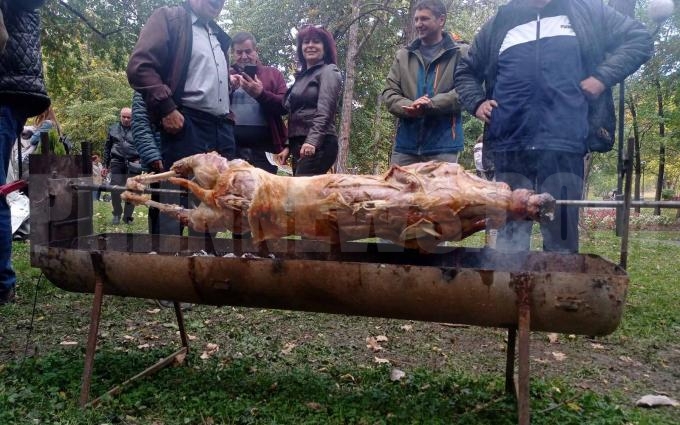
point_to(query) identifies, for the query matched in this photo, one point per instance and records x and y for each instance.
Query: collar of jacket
(222, 36)
(448, 43)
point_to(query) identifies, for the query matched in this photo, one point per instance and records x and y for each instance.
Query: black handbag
(601, 123)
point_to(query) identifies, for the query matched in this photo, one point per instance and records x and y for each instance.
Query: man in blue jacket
(420, 91)
(539, 75)
(22, 95)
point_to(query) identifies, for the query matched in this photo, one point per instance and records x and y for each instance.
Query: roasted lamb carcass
(416, 206)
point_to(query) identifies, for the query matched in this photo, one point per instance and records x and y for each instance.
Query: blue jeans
(10, 128)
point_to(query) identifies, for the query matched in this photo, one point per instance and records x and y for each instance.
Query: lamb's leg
(178, 212)
(139, 182)
(204, 195)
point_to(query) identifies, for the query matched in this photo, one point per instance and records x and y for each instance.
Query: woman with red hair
(312, 103)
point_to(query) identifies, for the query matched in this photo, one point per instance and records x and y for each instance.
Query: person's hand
(484, 110)
(234, 82)
(173, 122)
(157, 166)
(592, 87)
(282, 156)
(307, 150)
(418, 107)
(423, 102)
(104, 172)
(252, 86)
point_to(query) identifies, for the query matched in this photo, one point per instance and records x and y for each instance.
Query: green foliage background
(85, 65)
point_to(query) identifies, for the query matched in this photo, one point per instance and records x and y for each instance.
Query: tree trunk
(348, 90)
(662, 146)
(637, 164)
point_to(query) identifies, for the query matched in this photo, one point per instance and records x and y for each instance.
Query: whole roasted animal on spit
(417, 206)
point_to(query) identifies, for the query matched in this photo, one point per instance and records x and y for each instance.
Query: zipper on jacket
(538, 72)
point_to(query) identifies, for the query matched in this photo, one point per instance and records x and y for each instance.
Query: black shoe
(116, 220)
(128, 220)
(7, 297)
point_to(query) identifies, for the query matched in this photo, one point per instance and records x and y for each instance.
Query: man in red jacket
(257, 104)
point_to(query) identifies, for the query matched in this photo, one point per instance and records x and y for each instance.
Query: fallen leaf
(372, 343)
(574, 406)
(407, 328)
(314, 406)
(68, 343)
(625, 359)
(128, 337)
(154, 311)
(559, 356)
(381, 361)
(143, 346)
(653, 400)
(396, 374)
(553, 338)
(179, 359)
(596, 346)
(347, 377)
(381, 338)
(288, 348)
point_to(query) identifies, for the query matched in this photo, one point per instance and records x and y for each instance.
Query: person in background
(420, 91)
(121, 160)
(97, 176)
(257, 104)
(22, 95)
(180, 66)
(45, 123)
(536, 75)
(312, 103)
(147, 140)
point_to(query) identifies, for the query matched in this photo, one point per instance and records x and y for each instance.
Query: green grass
(453, 375)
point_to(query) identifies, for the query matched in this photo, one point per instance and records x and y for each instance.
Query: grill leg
(180, 324)
(95, 316)
(510, 363)
(524, 308)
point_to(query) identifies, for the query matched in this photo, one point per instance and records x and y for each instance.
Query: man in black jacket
(121, 160)
(22, 95)
(539, 75)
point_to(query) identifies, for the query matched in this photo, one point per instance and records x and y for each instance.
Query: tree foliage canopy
(86, 44)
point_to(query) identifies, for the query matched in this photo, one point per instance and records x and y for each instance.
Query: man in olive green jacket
(421, 94)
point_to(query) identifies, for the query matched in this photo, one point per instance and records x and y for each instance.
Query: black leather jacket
(119, 145)
(312, 103)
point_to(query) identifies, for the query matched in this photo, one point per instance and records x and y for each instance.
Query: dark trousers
(252, 144)
(11, 125)
(119, 175)
(322, 161)
(201, 133)
(557, 173)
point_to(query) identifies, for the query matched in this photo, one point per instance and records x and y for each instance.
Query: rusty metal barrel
(572, 293)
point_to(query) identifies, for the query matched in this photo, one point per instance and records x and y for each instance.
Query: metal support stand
(95, 317)
(520, 387)
(510, 363)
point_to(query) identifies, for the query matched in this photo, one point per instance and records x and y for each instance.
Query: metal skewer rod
(115, 188)
(615, 204)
